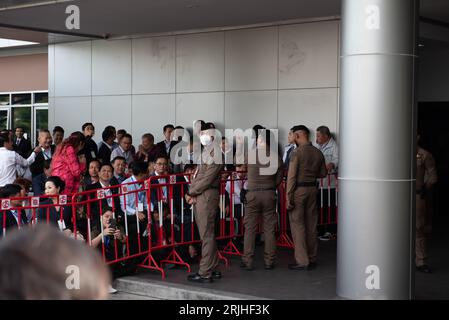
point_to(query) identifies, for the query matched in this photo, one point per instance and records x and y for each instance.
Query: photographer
(111, 234)
(110, 231)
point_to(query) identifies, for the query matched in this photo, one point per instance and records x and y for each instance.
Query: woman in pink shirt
(67, 165)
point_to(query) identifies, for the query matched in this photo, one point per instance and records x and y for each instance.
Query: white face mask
(205, 139)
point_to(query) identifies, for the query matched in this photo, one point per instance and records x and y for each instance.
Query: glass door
(40, 120)
(4, 118)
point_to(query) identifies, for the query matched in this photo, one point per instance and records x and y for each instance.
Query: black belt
(262, 189)
(307, 184)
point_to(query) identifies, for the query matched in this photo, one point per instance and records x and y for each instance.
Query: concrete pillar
(377, 149)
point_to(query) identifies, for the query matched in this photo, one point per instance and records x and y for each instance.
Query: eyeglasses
(161, 164)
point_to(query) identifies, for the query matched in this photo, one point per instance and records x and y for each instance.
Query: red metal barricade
(163, 233)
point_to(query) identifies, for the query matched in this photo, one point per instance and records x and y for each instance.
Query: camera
(113, 225)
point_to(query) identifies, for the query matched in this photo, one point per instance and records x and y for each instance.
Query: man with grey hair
(327, 145)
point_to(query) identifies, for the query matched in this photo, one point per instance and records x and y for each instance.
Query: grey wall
(434, 71)
(277, 76)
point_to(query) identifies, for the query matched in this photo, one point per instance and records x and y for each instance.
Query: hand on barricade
(141, 216)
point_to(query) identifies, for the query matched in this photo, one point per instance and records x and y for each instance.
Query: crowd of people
(76, 164)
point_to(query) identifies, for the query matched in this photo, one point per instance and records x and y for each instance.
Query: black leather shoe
(424, 269)
(216, 274)
(296, 266)
(246, 267)
(197, 278)
(269, 266)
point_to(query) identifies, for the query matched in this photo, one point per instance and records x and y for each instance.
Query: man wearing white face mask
(203, 194)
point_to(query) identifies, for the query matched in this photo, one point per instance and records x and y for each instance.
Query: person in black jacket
(38, 183)
(166, 144)
(21, 145)
(107, 145)
(90, 149)
(15, 217)
(47, 150)
(110, 199)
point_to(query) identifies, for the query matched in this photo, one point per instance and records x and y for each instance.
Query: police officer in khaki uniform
(307, 164)
(426, 177)
(203, 194)
(261, 200)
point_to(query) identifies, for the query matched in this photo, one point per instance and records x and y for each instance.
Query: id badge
(140, 207)
(92, 153)
(61, 225)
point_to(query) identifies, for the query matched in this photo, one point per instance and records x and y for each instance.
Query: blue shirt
(131, 205)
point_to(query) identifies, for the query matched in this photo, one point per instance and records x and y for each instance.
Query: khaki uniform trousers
(205, 212)
(420, 241)
(303, 225)
(260, 203)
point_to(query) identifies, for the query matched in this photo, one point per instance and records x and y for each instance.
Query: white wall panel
(195, 106)
(200, 62)
(111, 67)
(73, 72)
(111, 110)
(153, 65)
(251, 59)
(72, 112)
(246, 109)
(150, 113)
(312, 108)
(51, 113)
(51, 70)
(308, 55)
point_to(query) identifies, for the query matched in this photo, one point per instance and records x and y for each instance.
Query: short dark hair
(44, 131)
(24, 183)
(19, 127)
(148, 136)
(118, 158)
(58, 129)
(84, 126)
(106, 209)
(108, 165)
(94, 160)
(4, 138)
(161, 156)
(139, 167)
(168, 126)
(121, 131)
(189, 166)
(324, 130)
(57, 181)
(10, 190)
(304, 129)
(25, 257)
(127, 135)
(107, 133)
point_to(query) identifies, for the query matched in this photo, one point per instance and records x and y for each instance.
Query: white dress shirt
(330, 153)
(8, 161)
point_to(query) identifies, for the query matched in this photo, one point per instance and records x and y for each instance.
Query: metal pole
(377, 149)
